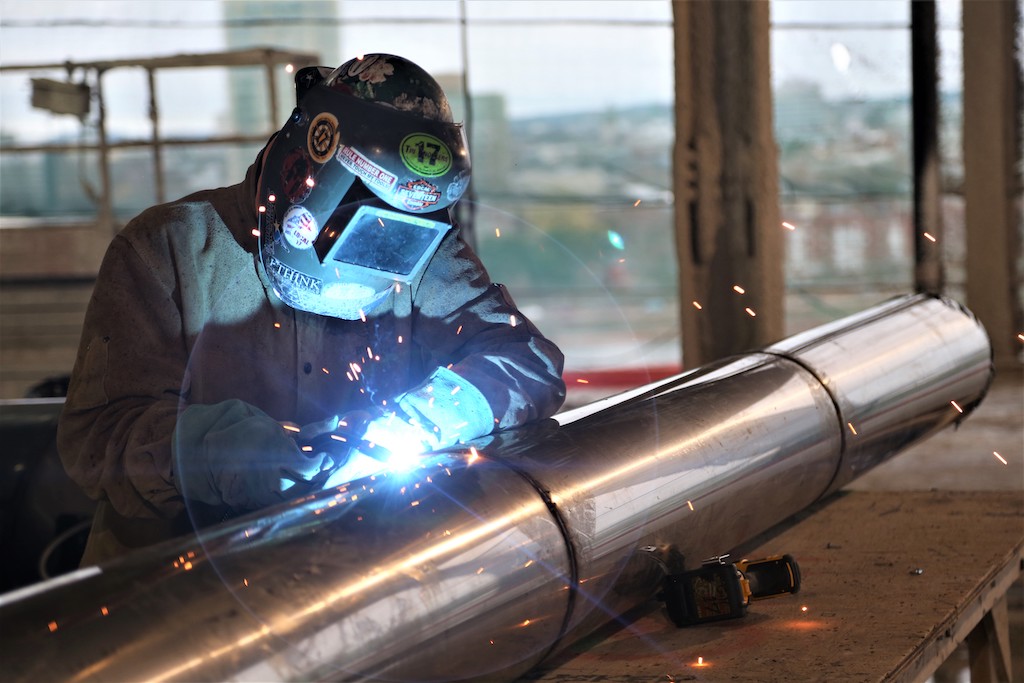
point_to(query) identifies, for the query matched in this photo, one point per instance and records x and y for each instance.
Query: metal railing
(91, 75)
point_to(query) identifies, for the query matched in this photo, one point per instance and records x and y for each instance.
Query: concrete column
(992, 163)
(728, 233)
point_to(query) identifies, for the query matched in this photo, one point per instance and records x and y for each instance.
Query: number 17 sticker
(426, 155)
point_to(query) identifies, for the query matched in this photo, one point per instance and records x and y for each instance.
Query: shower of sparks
(1000, 458)
(788, 226)
(738, 289)
(697, 306)
(958, 408)
(929, 237)
(750, 312)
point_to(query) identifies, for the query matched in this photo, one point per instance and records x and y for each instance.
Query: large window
(841, 75)
(568, 106)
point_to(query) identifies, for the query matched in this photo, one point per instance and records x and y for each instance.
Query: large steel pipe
(484, 562)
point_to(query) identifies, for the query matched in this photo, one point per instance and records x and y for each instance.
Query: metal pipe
(481, 564)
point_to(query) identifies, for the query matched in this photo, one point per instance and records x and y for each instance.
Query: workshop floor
(964, 460)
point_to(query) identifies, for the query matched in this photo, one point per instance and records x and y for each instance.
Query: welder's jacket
(182, 313)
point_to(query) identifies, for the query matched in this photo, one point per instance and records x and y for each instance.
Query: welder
(328, 292)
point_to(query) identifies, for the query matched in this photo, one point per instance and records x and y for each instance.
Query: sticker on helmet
(283, 275)
(322, 137)
(364, 169)
(299, 227)
(426, 155)
(417, 194)
(458, 186)
(296, 168)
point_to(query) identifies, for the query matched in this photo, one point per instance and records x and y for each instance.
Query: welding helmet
(355, 191)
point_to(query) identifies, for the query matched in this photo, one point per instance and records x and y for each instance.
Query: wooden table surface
(891, 583)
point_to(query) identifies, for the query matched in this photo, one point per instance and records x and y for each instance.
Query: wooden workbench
(892, 584)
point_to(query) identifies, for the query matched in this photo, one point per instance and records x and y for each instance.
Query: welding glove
(235, 454)
(442, 411)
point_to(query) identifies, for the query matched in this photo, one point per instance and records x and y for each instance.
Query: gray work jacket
(182, 313)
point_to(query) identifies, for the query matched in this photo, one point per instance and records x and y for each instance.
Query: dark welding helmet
(355, 192)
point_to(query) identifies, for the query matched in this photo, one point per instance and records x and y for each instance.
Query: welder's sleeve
(114, 434)
(471, 325)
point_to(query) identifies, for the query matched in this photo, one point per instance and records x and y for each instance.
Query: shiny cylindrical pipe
(483, 563)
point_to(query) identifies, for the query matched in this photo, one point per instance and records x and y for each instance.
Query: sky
(540, 68)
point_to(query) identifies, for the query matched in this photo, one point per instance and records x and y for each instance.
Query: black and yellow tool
(721, 589)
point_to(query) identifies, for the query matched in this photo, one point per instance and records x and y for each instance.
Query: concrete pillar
(728, 233)
(992, 163)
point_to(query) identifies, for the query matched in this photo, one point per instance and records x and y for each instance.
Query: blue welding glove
(232, 453)
(442, 411)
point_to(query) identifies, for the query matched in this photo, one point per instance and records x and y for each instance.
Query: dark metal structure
(484, 562)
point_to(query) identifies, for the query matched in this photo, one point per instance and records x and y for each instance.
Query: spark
(255, 232)
(928, 236)
(803, 608)
(1021, 336)
(291, 428)
(528, 563)
(414, 503)
(497, 232)
(473, 455)
(277, 325)
(262, 209)
(326, 371)
(526, 622)
(701, 662)
(369, 352)
(738, 289)
(381, 222)
(689, 504)
(958, 408)
(636, 203)
(480, 571)
(104, 611)
(272, 198)
(307, 449)
(288, 68)
(750, 312)
(398, 287)
(362, 316)
(511, 320)
(53, 626)
(615, 239)
(399, 339)
(310, 182)
(1000, 458)
(583, 381)
(456, 390)
(788, 226)
(852, 429)
(697, 306)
